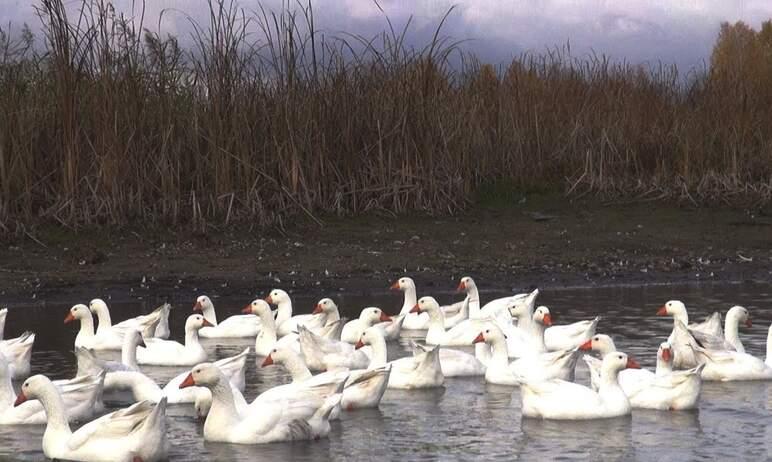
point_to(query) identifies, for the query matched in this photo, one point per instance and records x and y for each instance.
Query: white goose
(525, 338)
(18, 353)
(154, 324)
(727, 365)
(414, 321)
(264, 421)
(137, 431)
(369, 317)
(267, 339)
(81, 396)
(731, 339)
(629, 379)
(323, 354)
(286, 323)
(170, 353)
(569, 336)
(109, 340)
(562, 400)
(237, 326)
(462, 334)
(409, 373)
(454, 363)
(362, 389)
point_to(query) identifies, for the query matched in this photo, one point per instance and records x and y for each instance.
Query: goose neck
(86, 326)
(410, 300)
(57, 422)
(191, 337)
(680, 315)
(474, 302)
(223, 413)
(663, 367)
(129, 352)
(499, 353)
(380, 354)
(209, 313)
(731, 331)
(267, 327)
(296, 367)
(284, 311)
(103, 316)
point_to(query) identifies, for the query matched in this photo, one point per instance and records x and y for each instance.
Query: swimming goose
(562, 400)
(525, 338)
(237, 326)
(363, 388)
(267, 339)
(137, 431)
(409, 373)
(18, 353)
(731, 339)
(154, 324)
(171, 353)
(286, 323)
(367, 318)
(461, 334)
(629, 379)
(569, 336)
(303, 417)
(454, 363)
(81, 396)
(323, 354)
(109, 340)
(727, 365)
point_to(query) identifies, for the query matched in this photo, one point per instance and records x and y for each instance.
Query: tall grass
(105, 122)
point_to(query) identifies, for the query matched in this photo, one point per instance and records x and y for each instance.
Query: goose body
(562, 400)
(569, 336)
(267, 339)
(154, 324)
(423, 371)
(369, 317)
(18, 353)
(238, 326)
(170, 353)
(323, 354)
(137, 431)
(727, 365)
(454, 363)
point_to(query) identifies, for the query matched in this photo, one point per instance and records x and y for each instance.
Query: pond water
(467, 418)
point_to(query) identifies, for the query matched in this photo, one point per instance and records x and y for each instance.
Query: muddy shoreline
(546, 242)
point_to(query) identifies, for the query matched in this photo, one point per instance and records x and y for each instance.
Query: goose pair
(413, 321)
(110, 337)
(155, 324)
(423, 370)
(237, 326)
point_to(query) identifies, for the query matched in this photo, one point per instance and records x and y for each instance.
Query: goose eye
(620, 357)
(26, 385)
(198, 371)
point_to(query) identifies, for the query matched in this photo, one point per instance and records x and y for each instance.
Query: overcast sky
(679, 31)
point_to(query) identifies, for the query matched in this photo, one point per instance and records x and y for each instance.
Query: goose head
(325, 306)
(33, 388)
(740, 314)
(370, 335)
(97, 306)
(203, 375)
(425, 304)
(258, 307)
(403, 284)
(466, 284)
(522, 304)
(196, 322)
(665, 352)
(542, 316)
(373, 315)
(490, 335)
(277, 296)
(601, 343)
(79, 311)
(672, 308)
(617, 361)
(277, 356)
(202, 303)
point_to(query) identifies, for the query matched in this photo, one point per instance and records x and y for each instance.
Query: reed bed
(105, 122)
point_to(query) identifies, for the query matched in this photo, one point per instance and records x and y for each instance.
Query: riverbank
(542, 241)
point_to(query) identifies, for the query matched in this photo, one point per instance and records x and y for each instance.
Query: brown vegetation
(107, 122)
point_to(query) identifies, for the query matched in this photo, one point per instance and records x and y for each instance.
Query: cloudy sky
(679, 31)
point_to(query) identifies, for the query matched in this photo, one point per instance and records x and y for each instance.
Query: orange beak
(547, 320)
(207, 323)
(385, 317)
(20, 399)
(197, 306)
(461, 287)
(748, 323)
(586, 346)
(188, 382)
(269, 300)
(317, 309)
(69, 318)
(415, 309)
(395, 286)
(479, 338)
(632, 364)
(268, 361)
(359, 344)
(662, 311)
(247, 309)
(667, 355)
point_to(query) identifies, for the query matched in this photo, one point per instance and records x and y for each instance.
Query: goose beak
(394, 286)
(359, 344)
(206, 323)
(317, 309)
(69, 318)
(197, 306)
(479, 338)
(748, 323)
(188, 382)
(247, 309)
(416, 309)
(269, 300)
(547, 320)
(461, 287)
(385, 317)
(632, 364)
(586, 346)
(667, 355)
(268, 361)
(20, 399)
(662, 311)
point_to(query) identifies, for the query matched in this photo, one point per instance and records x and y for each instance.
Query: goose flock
(340, 366)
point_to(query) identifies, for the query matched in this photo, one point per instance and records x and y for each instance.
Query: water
(467, 418)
